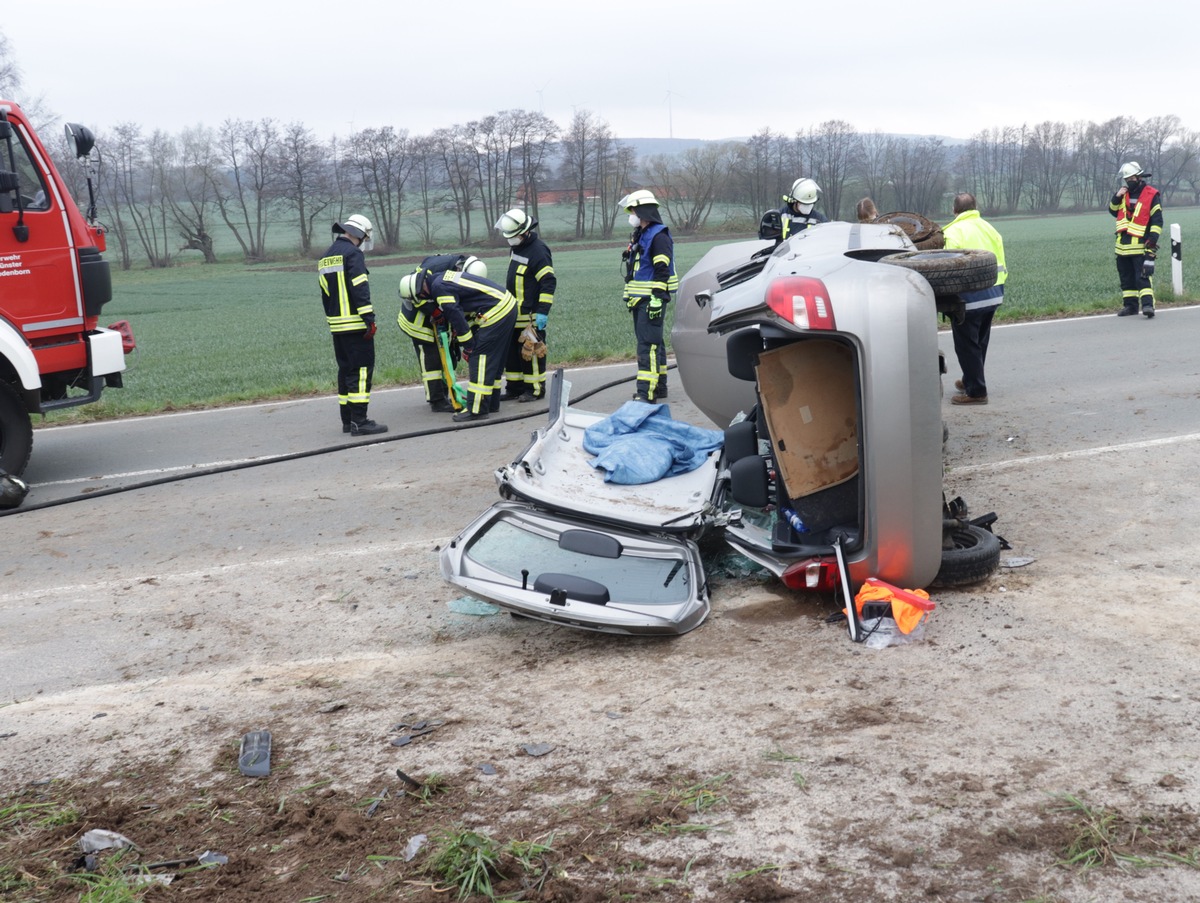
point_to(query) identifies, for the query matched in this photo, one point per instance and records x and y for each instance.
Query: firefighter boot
(1128, 311)
(366, 428)
(1148, 310)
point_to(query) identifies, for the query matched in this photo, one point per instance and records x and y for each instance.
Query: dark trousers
(486, 366)
(1134, 286)
(522, 375)
(355, 356)
(970, 346)
(430, 360)
(651, 351)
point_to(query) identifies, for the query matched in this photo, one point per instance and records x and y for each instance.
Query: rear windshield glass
(509, 548)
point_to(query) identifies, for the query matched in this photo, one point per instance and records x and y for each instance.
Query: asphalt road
(277, 490)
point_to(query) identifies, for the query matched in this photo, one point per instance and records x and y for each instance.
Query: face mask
(805, 208)
(634, 222)
(367, 244)
(515, 240)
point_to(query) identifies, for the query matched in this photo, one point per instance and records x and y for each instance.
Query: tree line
(161, 194)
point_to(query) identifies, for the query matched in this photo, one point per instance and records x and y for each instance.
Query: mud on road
(1049, 714)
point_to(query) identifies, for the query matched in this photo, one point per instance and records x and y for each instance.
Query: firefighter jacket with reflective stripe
(469, 302)
(651, 264)
(417, 322)
(1139, 219)
(970, 230)
(794, 222)
(531, 278)
(342, 274)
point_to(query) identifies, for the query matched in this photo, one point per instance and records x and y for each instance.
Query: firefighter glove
(540, 320)
(1151, 251)
(656, 307)
(370, 333)
(467, 351)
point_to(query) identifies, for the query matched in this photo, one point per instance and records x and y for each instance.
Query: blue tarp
(640, 443)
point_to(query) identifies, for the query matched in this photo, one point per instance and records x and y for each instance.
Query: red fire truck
(53, 284)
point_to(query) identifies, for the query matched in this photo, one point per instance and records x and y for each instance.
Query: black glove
(1151, 251)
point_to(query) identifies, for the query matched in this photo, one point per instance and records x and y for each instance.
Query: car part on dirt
(975, 556)
(970, 550)
(921, 231)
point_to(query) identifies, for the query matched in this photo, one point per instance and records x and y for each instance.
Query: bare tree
(536, 137)
(428, 181)
(580, 164)
(1048, 164)
(189, 191)
(917, 172)
(831, 152)
(245, 184)
(456, 152)
(138, 196)
(306, 181)
(689, 183)
(382, 161)
(875, 149)
(10, 72)
(615, 164)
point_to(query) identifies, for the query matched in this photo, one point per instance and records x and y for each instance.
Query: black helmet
(12, 490)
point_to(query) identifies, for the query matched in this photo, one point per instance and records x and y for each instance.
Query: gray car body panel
(889, 315)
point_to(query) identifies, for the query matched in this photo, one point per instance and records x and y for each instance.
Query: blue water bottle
(794, 519)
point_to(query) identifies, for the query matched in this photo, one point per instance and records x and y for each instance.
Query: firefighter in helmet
(423, 325)
(480, 314)
(649, 280)
(346, 296)
(798, 211)
(1139, 226)
(532, 282)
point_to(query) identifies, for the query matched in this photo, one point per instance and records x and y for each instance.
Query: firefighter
(481, 314)
(422, 325)
(1139, 226)
(797, 210)
(532, 282)
(649, 280)
(346, 296)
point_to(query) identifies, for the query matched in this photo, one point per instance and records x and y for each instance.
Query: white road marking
(1078, 453)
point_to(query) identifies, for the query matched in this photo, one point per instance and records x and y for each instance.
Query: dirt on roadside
(1037, 744)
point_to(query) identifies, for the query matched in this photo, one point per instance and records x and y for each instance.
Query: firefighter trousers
(355, 356)
(1135, 286)
(651, 351)
(486, 365)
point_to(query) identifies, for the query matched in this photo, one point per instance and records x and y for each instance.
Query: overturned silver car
(819, 357)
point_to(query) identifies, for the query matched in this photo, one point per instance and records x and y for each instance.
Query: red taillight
(801, 300)
(819, 574)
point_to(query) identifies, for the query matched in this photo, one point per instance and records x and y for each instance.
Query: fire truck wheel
(16, 432)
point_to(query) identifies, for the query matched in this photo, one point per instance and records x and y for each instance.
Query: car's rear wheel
(975, 556)
(950, 271)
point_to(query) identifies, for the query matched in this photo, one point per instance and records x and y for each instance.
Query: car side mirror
(770, 227)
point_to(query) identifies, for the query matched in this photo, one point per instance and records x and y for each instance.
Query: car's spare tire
(974, 557)
(921, 231)
(950, 271)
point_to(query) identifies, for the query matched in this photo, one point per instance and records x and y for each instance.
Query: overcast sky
(662, 68)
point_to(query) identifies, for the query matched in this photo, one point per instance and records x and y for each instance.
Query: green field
(228, 333)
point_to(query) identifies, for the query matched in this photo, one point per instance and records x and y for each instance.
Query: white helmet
(1131, 169)
(515, 223)
(804, 191)
(410, 285)
(358, 226)
(474, 266)
(637, 199)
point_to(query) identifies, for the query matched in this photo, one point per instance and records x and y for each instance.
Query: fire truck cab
(53, 284)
